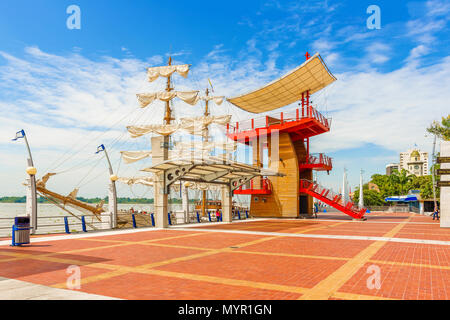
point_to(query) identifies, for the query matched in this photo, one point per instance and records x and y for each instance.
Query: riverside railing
(88, 223)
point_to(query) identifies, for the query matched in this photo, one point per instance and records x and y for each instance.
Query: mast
(206, 138)
(344, 188)
(361, 193)
(160, 144)
(168, 115)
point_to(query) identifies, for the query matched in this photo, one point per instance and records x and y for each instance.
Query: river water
(51, 218)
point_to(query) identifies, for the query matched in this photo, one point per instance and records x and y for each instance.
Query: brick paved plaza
(326, 258)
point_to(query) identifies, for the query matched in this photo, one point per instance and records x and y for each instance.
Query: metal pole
(344, 188)
(361, 192)
(33, 189)
(432, 173)
(114, 193)
(28, 148)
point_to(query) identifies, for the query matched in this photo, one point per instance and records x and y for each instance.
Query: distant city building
(391, 167)
(415, 162)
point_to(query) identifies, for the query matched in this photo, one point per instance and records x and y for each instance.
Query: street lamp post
(432, 172)
(31, 193)
(112, 189)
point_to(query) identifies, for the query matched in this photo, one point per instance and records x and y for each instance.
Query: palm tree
(402, 179)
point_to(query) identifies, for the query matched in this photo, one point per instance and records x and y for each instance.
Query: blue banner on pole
(20, 134)
(100, 148)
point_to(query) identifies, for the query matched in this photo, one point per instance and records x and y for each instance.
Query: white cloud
(378, 52)
(435, 18)
(323, 45)
(391, 109)
(416, 53)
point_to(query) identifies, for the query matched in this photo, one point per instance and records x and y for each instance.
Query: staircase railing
(320, 191)
(279, 118)
(264, 186)
(319, 158)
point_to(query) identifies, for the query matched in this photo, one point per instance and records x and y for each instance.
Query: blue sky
(66, 87)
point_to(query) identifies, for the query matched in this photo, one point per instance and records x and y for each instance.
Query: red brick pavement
(196, 264)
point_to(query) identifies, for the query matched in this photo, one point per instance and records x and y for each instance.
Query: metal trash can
(21, 231)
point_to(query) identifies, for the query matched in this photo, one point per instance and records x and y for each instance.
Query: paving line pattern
(326, 289)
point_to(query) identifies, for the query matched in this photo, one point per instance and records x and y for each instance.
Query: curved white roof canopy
(312, 75)
(212, 170)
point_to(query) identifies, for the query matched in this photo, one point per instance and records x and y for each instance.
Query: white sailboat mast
(361, 193)
(344, 188)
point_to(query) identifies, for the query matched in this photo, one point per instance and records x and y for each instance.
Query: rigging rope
(61, 160)
(89, 172)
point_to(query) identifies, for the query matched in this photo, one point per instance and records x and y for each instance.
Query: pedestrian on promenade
(217, 215)
(436, 214)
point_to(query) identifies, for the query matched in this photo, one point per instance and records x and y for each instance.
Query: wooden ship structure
(188, 164)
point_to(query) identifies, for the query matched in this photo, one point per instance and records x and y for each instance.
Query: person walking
(436, 214)
(217, 215)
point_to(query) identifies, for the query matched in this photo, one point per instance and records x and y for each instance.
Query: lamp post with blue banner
(31, 193)
(112, 195)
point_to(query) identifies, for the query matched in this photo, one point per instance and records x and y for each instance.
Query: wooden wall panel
(284, 200)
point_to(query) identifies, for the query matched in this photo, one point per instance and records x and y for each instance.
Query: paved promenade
(389, 256)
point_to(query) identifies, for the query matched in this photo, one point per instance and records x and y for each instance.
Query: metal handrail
(265, 185)
(319, 158)
(327, 193)
(263, 122)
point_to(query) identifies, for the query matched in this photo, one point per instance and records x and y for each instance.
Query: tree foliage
(441, 130)
(394, 185)
(371, 197)
(397, 184)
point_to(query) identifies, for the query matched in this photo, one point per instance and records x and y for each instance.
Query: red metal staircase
(327, 196)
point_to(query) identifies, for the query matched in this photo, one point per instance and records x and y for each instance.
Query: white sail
(217, 100)
(133, 156)
(147, 181)
(166, 71)
(182, 149)
(222, 120)
(190, 97)
(202, 186)
(162, 129)
(198, 125)
(207, 145)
